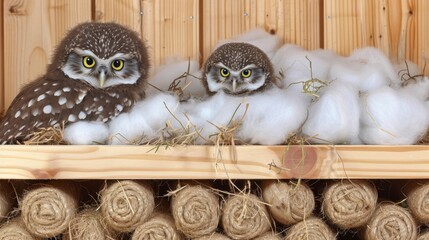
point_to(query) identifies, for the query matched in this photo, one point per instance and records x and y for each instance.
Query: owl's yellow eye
(224, 72)
(118, 64)
(88, 62)
(246, 73)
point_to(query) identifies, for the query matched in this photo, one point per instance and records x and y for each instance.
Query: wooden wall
(191, 28)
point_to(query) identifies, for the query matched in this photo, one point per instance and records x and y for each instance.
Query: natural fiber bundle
(418, 202)
(310, 229)
(14, 230)
(126, 204)
(269, 236)
(88, 225)
(160, 226)
(6, 201)
(47, 210)
(245, 217)
(423, 236)
(289, 203)
(196, 211)
(391, 222)
(213, 236)
(350, 204)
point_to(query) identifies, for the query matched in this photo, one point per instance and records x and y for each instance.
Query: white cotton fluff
(268, 43)
(209, 114)
(334, 117)
(366, 68)
(273, 116)
(173, 68)
(293, 63)
(407, 70)
(395, 116)
(144, 121)
(86, 133)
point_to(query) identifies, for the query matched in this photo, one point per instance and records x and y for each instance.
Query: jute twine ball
(310, 229)
(213, 236)
(289, 203)
(88, 225)
(196, 211)
(126, 204)
(418, 202)
(350, 204)
(159, 227)
(269, 236)
(6, 201)
(423, 236)
(47, 210)
(391, 222)
(14, 230)
(245, 217)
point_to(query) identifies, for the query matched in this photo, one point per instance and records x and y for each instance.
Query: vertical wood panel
(1, 61)
(33, 29)
(422, 11)
(171, 28)
(126, 12)
(295, 21)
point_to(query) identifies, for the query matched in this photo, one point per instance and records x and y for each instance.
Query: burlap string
(424, 236)
(196, 211)
(269, 236)
(213, 236)
(391, 222)
(88, 225)
(418, 202)
(46, 211)
(289, 203)
(159, 227)
(350, 204)
(310, 229)
(14, 230)
(126, 204)
(6, 201)
(245, 217)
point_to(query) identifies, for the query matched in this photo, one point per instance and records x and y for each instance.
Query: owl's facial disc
(119, 69)
(232, 81)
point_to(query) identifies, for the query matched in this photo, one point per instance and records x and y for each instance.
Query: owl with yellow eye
(237, 69)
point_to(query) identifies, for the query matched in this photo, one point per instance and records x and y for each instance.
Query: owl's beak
(102, 77)
(234, 85)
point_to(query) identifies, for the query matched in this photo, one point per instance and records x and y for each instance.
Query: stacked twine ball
(268, 210)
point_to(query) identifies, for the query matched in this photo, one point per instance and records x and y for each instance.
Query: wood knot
(272, 31)
(301, 161)
(17, 10)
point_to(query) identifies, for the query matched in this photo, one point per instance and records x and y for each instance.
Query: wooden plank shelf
(205, 162)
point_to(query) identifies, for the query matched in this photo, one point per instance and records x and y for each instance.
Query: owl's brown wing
(49, 102)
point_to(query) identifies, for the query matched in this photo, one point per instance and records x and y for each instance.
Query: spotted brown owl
(237, 69)
(98, 71)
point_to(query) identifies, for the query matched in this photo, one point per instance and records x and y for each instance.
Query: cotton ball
(145, 120)
(86, 133)
(258, 37)
(334, 117)
(273, 116)
(390, 116)
(165, 74)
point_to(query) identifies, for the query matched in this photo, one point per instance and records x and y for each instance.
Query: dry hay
(15, 230)
(350, 204)
(244, 216)
(6, 201)
(288, 202)
(88, 225)
(47, 136)
(159, 227)
(310, 229)
(423, 236)
(47, 210)
(195, 210)
(391, 222)
(269, 236)
(213, 236)
(126, 204)
(418, 202)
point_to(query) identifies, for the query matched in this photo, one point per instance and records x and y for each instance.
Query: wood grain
(172, 29)
(33, 29)
(293, 21)
(125, 12)
(1, 62)
(200, 162)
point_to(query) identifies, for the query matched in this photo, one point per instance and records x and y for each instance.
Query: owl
(237, 69)
(98, 71)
